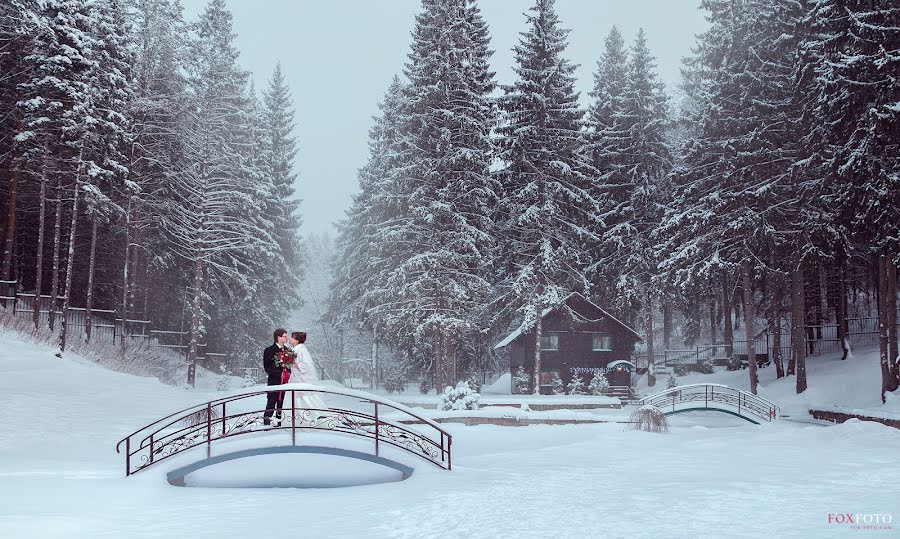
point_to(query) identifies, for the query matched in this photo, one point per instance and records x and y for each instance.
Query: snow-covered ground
(713, 475)
(852, 384)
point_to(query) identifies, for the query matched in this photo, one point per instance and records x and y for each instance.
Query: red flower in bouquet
(285, 358)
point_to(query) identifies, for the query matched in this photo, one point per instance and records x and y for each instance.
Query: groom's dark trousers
(273, 398)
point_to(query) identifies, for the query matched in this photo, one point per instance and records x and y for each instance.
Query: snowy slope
(60, 475)
(854, 383)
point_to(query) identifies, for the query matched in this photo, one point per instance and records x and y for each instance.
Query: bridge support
(176, 476)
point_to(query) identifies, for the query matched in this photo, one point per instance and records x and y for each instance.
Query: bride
(304, 372)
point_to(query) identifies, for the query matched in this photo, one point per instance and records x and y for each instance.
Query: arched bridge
(716, 397)
(358, 414)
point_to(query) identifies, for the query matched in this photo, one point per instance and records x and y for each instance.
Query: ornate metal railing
(241, 414)
(713, 396)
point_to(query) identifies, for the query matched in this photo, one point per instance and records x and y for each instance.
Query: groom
(274, 398)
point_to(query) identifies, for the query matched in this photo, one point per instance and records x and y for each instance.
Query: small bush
(734, 364)
(705, 367)
(394, 381)
(599, 384)
(521, 381)
(425, 386)
(672, 382)
(556, 386)
(461, 397)
(474, 381)
(648, 418)
(576, 386)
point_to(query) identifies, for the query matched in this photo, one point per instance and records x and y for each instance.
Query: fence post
(376, 431)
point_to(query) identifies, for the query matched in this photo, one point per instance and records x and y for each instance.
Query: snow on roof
(620, 362)
(515, 334)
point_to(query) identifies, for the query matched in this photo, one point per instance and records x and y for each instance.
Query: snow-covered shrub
(248, 379)
(474, 381)
(576, 386)
(734, 364)
(648, 418)
(599, 384)
(521, 381)
(461, 397)
(681, 370)
(672, 382)
(223, 382)
(425, 385)
(556, 386)
(705, 366)
(394, 381)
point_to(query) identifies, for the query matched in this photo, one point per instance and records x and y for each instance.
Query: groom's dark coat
(274, 372)
(274, 399)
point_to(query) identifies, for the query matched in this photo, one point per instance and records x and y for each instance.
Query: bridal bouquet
(285, 358)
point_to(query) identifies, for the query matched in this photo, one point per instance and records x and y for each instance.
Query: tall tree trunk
(726, 313)
(776, 291)
(891, 310)
(537, 353)
(125, 278)
(39, 264)
(374, 359)
(15, 174)
(798, 321)
(54, 278)
(648, 331)
(146, 284)
(667, 323)
(135, 251)
(438, 346)
(450, 359)
(883, 335)
(749, 325)
(70, 263)
(195, 315)
(840, 305)
(713, 322)
(90, 285)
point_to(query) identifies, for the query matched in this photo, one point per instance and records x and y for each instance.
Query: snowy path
(60, 475)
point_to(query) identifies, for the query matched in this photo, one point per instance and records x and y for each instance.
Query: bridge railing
(746, 404)
(382, 420)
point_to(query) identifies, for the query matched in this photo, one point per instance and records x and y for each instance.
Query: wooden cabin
(577, 337)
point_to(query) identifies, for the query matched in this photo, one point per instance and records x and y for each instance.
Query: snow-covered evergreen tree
(576, 385)
(521, 381)
(599, 384)
(433, 278)
(547, 214)
(461, 397)
(556, 385)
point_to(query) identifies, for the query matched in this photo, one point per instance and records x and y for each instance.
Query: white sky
(340, 55)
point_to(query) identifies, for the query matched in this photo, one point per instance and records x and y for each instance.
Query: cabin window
(550, 342)
(601, 342)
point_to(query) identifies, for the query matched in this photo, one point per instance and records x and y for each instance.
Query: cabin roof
(518, 332)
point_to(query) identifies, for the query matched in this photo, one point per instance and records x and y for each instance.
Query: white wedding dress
(304, 372)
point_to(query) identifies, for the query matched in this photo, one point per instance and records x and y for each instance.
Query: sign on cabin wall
(593, 371)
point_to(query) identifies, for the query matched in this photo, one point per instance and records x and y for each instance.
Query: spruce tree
(547, 214)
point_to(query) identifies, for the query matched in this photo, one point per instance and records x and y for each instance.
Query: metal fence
(819, 338)
(105, 327)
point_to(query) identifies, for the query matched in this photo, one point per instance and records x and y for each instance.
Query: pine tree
(576, 386)
(848, 93)
(216, 221)
(436, 281)
(281, 149)
(365, 238)
(547, 213)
